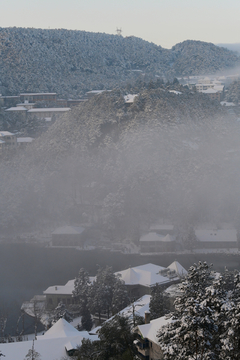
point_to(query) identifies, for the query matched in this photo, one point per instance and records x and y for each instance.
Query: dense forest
(72, 62)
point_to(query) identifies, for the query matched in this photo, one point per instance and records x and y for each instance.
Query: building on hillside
(129, 99)
(60, 341)
(26, 105)
(46, 113)
(213, 93)
(9, 139)
(9, 100)
(68, 236)
(22, 142)
(147, 341)
(34, 97)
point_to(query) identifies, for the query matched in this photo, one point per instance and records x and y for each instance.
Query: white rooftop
(43, 110)
(23, 94)
(6, 133)
(214, 235)
(146, 275)
(140, 306)
(17, 108)
(51, 346)
(178, 268)
(129, 99)
(24, 139)
(150, 331)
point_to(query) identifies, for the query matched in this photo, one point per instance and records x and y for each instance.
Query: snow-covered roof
(6, 133)
(66, 289)
(17, 108)
(2, 142)
(44, 110)
(152, 236)
(129, 99)
(24, 139)
(222, 235)
(60, 289)
(61, 328)
(227, 103)
(63, 337)
(178, 268)
(175, 92)
(68, 230)
(146, 275)
(209, 91)
(140, 306)
(36, 94)
(150, 331)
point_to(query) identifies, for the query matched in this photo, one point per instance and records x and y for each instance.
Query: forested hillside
(167, 155)
(72, 62)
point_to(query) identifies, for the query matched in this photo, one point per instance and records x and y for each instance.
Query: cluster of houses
(214, 87)
(160, 238)
(10, 141)
(62, 338)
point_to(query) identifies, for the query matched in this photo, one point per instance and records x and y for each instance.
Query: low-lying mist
(168, 156)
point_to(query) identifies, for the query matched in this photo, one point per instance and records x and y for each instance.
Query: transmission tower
(119, 31)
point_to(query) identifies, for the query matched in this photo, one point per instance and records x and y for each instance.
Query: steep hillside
(72, 62)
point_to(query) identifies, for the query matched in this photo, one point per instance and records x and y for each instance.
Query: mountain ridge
(71, 62)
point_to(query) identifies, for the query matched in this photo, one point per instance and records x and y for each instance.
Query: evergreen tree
(193, 333)
(158, 302)
(61, 312)
(32, 354)
(116, 340)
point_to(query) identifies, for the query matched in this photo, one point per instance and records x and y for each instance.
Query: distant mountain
(233, 47)
(71, 62)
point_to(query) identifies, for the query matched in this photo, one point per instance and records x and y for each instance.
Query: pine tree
(158, 302)
(32, 354)
(193, 333)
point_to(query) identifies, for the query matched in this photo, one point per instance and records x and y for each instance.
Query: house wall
(52, 300)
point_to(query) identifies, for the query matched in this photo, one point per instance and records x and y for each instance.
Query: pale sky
(163, 22)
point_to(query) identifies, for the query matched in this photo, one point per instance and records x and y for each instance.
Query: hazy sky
(164, 22)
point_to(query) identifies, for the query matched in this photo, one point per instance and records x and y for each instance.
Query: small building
(9, 139)
(22, 142)
(43, 113)
(139, 280)
(68, 236)
(34, 97)
(216, 238)
(153, 242)
(129, 99)
(147, 341)
(59, 293)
